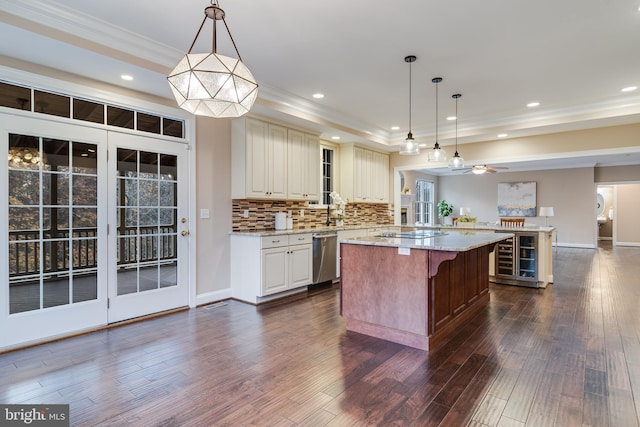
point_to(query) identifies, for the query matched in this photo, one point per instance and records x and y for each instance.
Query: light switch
(204, 213)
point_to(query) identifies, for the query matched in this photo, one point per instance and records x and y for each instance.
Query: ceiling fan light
(479, 170)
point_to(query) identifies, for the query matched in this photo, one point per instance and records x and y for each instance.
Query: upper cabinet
(273, 162)
(364, 175)
(304, 166)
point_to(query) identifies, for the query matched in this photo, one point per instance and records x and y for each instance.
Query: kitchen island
(415, 288)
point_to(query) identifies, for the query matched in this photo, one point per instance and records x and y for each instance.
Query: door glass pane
(147, 221)
(49, 251)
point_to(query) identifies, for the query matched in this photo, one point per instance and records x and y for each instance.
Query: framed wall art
(516, 199)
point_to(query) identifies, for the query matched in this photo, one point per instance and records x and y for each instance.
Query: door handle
(185, 232)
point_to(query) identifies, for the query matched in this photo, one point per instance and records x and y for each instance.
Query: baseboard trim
(211, 297)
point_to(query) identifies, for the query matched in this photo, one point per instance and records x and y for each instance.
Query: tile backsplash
(261, 214)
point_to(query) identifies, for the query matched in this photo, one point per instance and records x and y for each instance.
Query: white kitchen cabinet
(264, 267)
(303, 154)
(364, 175)
(259, 160)
(273, 162)
(380, 177)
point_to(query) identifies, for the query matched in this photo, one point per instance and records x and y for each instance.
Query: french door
(92, 220)
(54, 247)
(148, 227)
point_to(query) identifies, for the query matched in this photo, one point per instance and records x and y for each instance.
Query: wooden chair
(512, 222)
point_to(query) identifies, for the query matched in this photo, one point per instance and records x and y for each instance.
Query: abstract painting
(516, 199)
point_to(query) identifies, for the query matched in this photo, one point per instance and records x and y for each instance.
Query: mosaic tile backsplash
(261, 214)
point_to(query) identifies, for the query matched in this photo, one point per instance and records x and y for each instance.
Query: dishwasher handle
(324, 236)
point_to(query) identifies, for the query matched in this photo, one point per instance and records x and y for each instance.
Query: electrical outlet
(301, 213)
(245, 214)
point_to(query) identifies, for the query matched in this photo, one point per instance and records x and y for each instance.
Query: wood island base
(413, 297)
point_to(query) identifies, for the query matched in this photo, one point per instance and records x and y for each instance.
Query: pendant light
(456, 161)
(211, 84)
(437, 154)
(409, 146)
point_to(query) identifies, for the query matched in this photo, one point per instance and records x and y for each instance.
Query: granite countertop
(449, 240)
(485, 226)
(262, 233)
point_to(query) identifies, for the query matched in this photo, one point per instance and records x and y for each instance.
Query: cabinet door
(380, 178)
(274, 270)
(297, 152)
(257, 140)
(362, 175)
(277, 162)
(300, 266)
(312, 167)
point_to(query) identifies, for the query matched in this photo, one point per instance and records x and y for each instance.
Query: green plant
(467, 218)
(444, 208)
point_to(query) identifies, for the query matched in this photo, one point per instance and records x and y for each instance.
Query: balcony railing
(134, 245)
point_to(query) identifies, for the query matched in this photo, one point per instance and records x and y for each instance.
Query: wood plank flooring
(565, 356)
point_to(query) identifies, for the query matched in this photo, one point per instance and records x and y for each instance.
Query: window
(328, 173)
(424, 202)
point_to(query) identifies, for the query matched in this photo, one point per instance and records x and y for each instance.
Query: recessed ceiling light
(422, 145)
(503, 135)
(318, 95)
(126, 77)
(451, 118)
(395, 127)
(533, 104)
(335, 137)
(629, 89)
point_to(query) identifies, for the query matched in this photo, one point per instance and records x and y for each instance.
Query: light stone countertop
(478, 227)
(450, 240)
(262, 233)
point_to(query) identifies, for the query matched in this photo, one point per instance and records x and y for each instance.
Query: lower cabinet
(264, 266)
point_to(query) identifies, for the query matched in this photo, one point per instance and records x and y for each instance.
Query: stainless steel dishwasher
(325, 248)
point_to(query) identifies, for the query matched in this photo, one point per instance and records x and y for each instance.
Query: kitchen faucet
(328, 223)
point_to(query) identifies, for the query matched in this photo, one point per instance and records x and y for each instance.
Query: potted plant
(444, 210)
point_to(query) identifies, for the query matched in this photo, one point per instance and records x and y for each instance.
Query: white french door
(94, 222)
(54, 249)
(148, 226)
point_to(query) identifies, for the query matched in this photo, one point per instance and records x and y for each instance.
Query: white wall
(213, 189)
(571, 192)
(626, 215)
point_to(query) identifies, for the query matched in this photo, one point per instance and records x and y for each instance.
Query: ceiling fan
(481, 169)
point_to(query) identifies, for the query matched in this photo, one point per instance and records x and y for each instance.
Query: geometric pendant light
(211, 84)
(437, 154)
(410, 146)
(456, 161)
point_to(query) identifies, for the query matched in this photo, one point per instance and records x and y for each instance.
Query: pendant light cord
(456, 96)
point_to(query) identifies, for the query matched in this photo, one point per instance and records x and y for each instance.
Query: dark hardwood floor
(565, 356)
